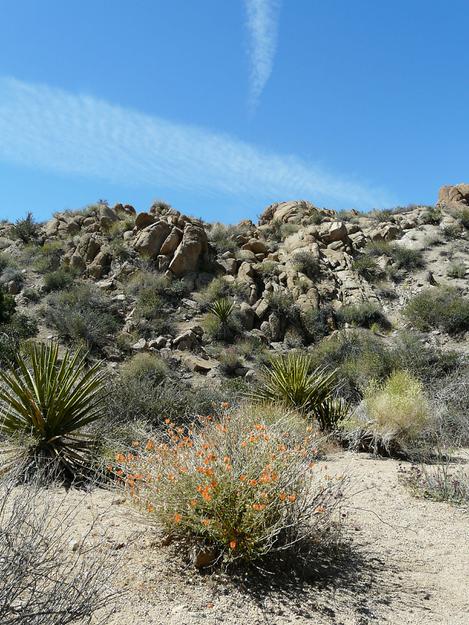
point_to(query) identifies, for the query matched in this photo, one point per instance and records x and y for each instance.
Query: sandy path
(409, 565)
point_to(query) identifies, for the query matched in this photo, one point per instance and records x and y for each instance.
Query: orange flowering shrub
(243, 486)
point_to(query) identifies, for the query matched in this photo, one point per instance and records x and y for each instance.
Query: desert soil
(408, 564)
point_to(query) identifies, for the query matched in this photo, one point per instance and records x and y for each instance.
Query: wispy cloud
(262, 25)
(54, 130)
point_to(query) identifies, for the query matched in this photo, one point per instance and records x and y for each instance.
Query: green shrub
(405, 258)
(442, 308)
(223, 237)
(11, 274)
(229, 360)
(307, 263)
(440, 482)
(7, 306)
(378, 248)
(464, 218)
(57, 280)
(47, 257)
(432, 216)
(452, 231)
(136, 398)
(292, 381)
(5, 262)
(457, 270)
(396, 415)
(283, 305)
(144, 366)
(44, 403)
(239, 489)
(363, 315)
(26, 229)
(368, 268)
(83, 315)
(32, 295)
(318, 323)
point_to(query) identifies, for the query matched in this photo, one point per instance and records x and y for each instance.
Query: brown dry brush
(44, 578)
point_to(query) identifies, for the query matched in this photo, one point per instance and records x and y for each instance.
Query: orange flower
(225, 405)
(233, 544)
(319, 510)
(193, 503)
(282, 496)
(119, 472)
(242, 477)
(177, 517)
(258, 506)
(167, 421)
(252, 482)
(120, 458)
(150, 508)
(205, 522)
(150, 445)
(135, 443)
(291, 498)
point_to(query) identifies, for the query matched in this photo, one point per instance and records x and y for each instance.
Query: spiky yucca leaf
(290, 379)
(222, 309)
(46, 402)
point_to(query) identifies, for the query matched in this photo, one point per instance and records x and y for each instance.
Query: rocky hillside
(124, 282)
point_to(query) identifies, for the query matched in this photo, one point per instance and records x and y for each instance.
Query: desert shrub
(307, 263)
(83, 314)
(47, 257)
(148, 367)
(452, 231)
(42, 580)
(393, 417)
(219, 288)
(223, 237)
(7, 306)
(423, 361)
(44, 403)
(367, 267)
(229, 360)
(5, 262)
(363, 315)
(378, 248)
(442, 308)
(267, 269)
(456, 270)
(406, 258)
(318, 323)
(168, 291)
(152, 314)
(450, 400)
(57, 280)
(432, 216)
(464, 217)
(385, 214)
(283, 305)
(137, 398)
(11, 274)
(32, 295)
(26, 229)
(291, 380)
(440, 482)
(236, 488)
(12, 333)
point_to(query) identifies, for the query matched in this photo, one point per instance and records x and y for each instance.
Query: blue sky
(222, 106)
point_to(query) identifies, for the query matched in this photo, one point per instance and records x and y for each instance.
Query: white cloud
(262, 25)
(53, 130)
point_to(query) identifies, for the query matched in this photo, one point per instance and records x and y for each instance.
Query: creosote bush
(442, 308)
(363, 315)
(368, 268)
(26, 229)
(307, 263)
(83, 315)
(241, 488)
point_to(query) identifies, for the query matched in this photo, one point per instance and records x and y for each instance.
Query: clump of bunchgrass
(393, 416)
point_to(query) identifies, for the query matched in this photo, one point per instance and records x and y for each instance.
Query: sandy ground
(408, 565)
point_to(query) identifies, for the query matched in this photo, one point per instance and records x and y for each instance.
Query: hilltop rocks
(192, 249)
(286, 212)
(454, 194)
(150, 239)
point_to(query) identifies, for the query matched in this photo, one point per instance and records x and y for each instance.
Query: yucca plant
(44, 403)
(291, 380)
(222, 309)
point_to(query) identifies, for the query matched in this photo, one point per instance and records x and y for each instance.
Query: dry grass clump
(43, 581)
(393, 416)
(241, 486)
(440, 482)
